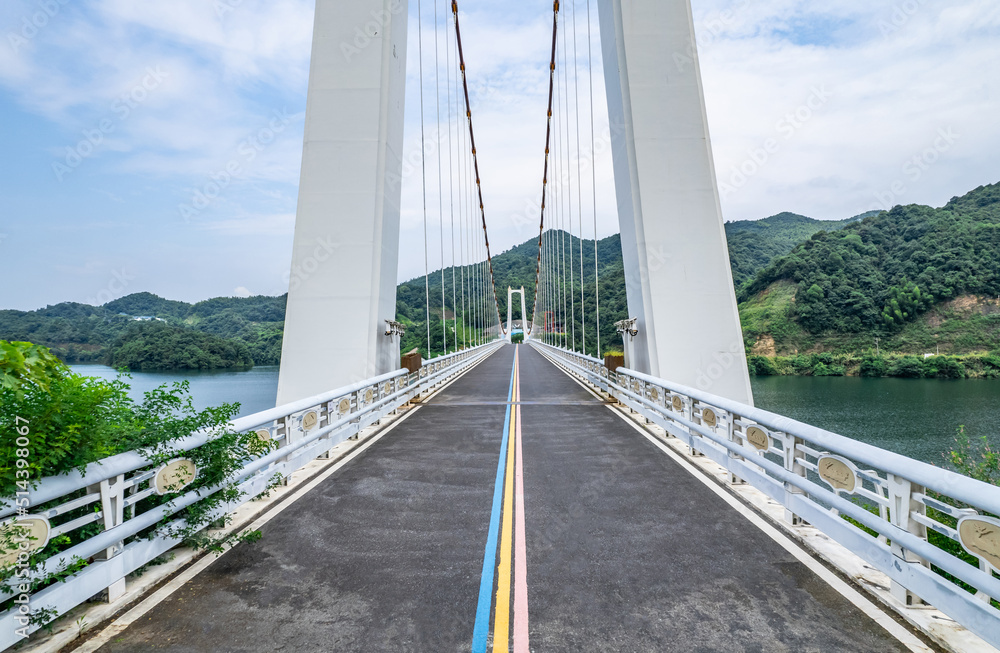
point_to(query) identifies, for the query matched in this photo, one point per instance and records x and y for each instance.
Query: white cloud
(892, 89)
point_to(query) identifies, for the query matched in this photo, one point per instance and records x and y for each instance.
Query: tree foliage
(889, 269)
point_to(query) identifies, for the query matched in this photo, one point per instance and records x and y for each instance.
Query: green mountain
(223, 332)
(916, 278)
(753, 244)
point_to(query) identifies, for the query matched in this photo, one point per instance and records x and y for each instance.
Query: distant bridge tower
(677, 274)
(342, 287)
(510, 310)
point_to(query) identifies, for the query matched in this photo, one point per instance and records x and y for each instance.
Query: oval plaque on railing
(310, 420)
(345, 406)
(387, 388)
(980, 536)
(837, 472)
(33, 528)
(758, 438)
(654, 394)
(677, 403)
(708, 417)
(263, 435)
(174, 476)
(369, 396)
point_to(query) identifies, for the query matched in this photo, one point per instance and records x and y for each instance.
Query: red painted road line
(520, 548)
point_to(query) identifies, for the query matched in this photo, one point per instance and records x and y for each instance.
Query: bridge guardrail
(821, 477)
(110, 491)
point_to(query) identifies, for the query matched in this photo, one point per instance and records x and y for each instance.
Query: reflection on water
(913, 417)
(255, 389)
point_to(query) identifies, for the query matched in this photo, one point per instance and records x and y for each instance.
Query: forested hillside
(753, 244)
(915, 278)
(244, 331)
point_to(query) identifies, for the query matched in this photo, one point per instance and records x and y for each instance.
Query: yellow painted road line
(501, 624)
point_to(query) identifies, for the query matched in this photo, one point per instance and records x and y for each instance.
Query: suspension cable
(423, 173)
(542, 241)
(579, 183)
(564, 118)
(451, 191)
(475, 160)
(437, 99)
(461, 213)
(593, 173)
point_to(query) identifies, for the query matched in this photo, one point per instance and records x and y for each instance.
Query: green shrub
(945, 367)
(873, 367)
(907, 367)
(822, 369)
(761, 366)
(71, 421)
(802, 364)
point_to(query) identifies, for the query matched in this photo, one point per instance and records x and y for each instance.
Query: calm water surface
(255, 389)
(913, 417)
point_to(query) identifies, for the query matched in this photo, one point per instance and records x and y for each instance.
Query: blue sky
(119, 116)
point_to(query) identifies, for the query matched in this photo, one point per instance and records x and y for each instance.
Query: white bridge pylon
(677, 274)
(510, 312)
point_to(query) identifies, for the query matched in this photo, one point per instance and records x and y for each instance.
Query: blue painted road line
(481, 631)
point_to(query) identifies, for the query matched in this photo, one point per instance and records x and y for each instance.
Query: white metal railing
(114, 487)
(820, 477)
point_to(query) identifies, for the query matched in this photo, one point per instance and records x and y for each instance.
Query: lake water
(254, 389)
(913, 417)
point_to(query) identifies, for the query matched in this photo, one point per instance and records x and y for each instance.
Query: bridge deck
(626, 551)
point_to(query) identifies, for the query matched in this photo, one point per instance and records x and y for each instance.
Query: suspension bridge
(531, 497)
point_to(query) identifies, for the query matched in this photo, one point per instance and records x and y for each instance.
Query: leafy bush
(945, 367)
(761, 366)
(822, 369)
(873, 366)
(71, 421)
(907, 367)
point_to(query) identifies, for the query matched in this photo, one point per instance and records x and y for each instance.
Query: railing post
(282, 431)
(734, 437)
(113, 511)
(793, 463)
(325, 419)
(902, 505)
(698, 418)
(355, 407)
